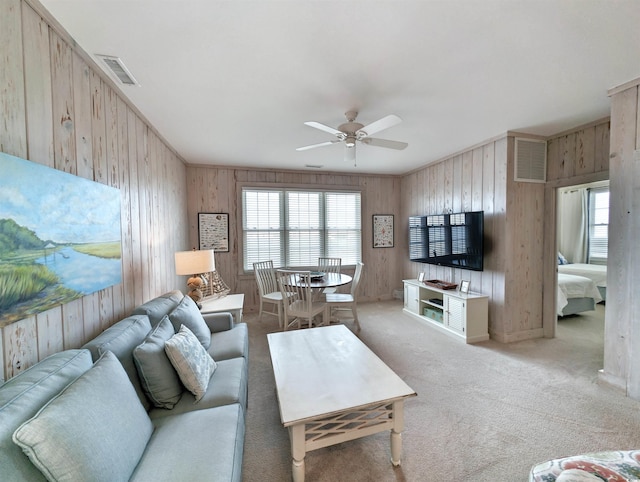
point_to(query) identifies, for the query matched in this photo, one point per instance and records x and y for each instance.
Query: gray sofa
(118, 409)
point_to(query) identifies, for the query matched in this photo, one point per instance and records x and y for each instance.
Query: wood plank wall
(523, 270)
(578, 156)
(519, 271)
(218, 189)
(622, 333)
(60, 110)
(472, 180)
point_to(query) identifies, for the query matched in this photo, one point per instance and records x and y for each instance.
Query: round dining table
(325, 280)
(329, 280)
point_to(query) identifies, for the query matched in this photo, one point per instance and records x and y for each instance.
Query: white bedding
(573, 286)
(595, 272)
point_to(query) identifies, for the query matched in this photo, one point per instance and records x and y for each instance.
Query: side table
(230, 303)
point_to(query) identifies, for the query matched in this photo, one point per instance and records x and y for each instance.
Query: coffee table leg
(298, 451)
(396, 432)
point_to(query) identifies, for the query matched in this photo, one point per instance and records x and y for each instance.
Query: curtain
(573, 224)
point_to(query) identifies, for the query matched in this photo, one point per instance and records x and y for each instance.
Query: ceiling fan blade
(322, 127)
(379, 125)
(350, 154)
(372, 141)
(313, 146)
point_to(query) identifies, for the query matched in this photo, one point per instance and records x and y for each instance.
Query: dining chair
(345, 301)
(298, 301)
(330, 265)
(268, 290)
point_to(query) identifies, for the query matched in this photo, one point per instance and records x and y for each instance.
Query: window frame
(284, 232)
(593, 192)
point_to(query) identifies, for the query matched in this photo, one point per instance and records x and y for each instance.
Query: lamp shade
(195, 262)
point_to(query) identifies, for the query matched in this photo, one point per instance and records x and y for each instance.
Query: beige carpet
(484, 412)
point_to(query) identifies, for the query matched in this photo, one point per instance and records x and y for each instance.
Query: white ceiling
(231, 82)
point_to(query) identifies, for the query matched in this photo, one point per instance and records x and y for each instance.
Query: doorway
(581, 233)
(555, 243)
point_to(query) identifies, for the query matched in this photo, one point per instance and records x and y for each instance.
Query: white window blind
(263, 225)
(294, 227)
(598, 225)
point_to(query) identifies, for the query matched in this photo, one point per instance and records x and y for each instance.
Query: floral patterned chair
(618, 466)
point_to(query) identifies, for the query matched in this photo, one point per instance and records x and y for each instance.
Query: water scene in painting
(59, 238)
(84, 273)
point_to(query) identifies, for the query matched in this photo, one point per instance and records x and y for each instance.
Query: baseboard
(613, 381)
(517, 336)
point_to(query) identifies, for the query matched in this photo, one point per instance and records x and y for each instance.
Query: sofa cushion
(158, 307)
(23, 395)
(180, 449)
(188, 314)
(95, 429)
(192, 362)
(121, 339)
(159, 379)
(230, 344)
(227, 385)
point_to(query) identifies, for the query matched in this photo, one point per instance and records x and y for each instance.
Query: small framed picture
(421, 277)
(383, 230)
(213, 231)
(464, 286)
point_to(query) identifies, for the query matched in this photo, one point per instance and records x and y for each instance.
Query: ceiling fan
(353, 131)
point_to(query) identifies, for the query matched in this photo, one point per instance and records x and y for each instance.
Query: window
(598, 225)
(294, 227)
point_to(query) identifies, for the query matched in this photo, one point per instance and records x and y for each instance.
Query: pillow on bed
(562, 259)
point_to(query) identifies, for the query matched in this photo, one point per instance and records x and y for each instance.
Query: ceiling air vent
(118, 69)
(531, 160)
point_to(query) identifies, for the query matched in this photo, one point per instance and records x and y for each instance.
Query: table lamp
(199, 265)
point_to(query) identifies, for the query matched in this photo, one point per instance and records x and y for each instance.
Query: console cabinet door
(455, 313)
(412, 298)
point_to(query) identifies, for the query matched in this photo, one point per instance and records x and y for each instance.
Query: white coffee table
(230, 303)
(331, 388)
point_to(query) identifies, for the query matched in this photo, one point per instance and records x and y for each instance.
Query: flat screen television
(454, 240)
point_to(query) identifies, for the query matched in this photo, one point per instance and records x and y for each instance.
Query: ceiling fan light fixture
(353, 131)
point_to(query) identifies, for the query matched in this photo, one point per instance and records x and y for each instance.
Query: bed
(576, 294)
(595, 272)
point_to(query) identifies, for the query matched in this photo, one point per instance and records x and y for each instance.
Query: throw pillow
(188, 314)
(95, 429)
(562, 259)
(121, 339)
(22, 396)
(159, 379)
(192, 362)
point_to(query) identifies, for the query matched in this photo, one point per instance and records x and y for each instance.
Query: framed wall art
(213, 231)
(60, 238)
(383, 230)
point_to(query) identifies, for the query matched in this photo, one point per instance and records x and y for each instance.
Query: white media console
(464, 315)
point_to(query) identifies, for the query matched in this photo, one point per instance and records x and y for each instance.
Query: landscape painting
(59, 238)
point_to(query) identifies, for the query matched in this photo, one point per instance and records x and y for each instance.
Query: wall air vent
(530, 160)
(117, 68)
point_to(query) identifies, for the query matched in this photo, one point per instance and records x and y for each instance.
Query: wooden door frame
(550, 261)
